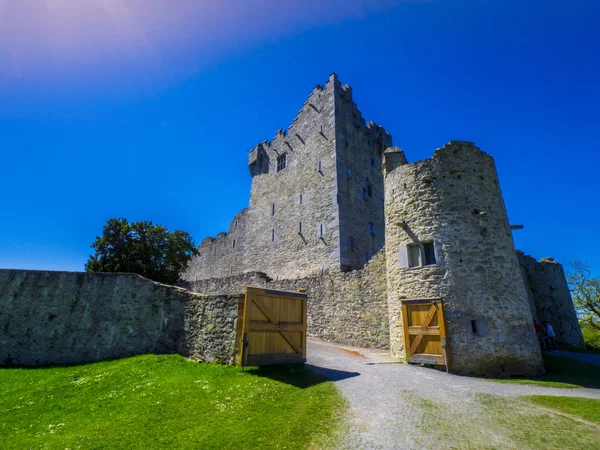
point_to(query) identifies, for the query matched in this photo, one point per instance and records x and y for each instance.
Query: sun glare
(59, 39)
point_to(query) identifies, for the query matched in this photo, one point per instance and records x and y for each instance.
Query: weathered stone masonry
(70, 317)
(453, 201)
(346, 307)
(316, 202)
(550, 299)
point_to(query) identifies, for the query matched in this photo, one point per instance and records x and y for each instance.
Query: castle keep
(389, 252)
(316, 203)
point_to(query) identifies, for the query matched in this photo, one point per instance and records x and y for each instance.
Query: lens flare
(49, 41)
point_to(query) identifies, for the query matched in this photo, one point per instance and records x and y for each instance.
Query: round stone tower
(448, 238)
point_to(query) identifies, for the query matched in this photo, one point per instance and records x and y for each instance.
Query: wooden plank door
(274, 328)
(424, 331)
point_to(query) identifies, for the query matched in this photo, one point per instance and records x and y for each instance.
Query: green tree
(585, 290)
(143, 248)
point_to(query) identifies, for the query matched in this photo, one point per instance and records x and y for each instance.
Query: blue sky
(103, 119)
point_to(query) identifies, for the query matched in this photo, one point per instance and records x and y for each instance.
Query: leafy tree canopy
(143, 248)
(585, 290)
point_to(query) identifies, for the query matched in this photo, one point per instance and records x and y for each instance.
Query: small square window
(372, 228)
(417, 259)
(429, 251)
(281, 162)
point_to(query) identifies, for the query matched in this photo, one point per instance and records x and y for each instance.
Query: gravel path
(388, 400)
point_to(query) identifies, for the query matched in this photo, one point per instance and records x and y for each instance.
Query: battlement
(317, 91)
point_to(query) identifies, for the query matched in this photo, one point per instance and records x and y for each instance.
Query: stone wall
(453, 201)
(349, 308)
(549, 291)
(222, 255)
(359, 149)
(70, 317)
(323, 212)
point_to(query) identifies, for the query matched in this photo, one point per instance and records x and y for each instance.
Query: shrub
(591, 336)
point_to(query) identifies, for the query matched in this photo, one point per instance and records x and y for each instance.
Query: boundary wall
(75, 317)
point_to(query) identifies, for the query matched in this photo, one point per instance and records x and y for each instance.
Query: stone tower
(316, 202)
(447, 235)
(550, 299)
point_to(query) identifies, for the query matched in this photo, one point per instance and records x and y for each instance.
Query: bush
(591, 336)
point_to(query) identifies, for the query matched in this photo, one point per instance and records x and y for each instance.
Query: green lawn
(484, 421)
(166, 402)
(585, 408)
(562, 372)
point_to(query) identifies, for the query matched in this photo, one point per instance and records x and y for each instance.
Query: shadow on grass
(563, 372)
(568, 370)
(301, 375)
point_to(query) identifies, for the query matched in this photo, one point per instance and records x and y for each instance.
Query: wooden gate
(273, 328)
(424, 331)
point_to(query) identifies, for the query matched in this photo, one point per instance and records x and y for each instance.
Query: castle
(335, 208)
(417, 258)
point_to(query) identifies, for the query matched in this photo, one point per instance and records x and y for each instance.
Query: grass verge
(154, 401)
(562, 372)
(484, 421)
(585, 408)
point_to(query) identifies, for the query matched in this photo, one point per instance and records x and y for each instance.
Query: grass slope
(166, 402)
(586, 408)
(484, 421)
(562, 372)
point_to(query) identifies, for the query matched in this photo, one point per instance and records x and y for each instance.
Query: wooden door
(424, 331)
(274, 328)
